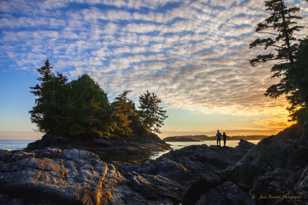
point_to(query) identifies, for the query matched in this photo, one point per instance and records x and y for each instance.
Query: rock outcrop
(192, 163)
(216, 192)
(72, 176)
(130, 149)
(273, 172)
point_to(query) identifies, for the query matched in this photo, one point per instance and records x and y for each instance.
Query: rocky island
(272, 172)
(132, 149)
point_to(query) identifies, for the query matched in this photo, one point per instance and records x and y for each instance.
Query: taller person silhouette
(218, 138)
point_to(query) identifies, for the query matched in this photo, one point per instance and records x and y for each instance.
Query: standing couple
(220, 136)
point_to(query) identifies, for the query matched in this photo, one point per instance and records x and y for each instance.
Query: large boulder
(72, 176)
(62, 176)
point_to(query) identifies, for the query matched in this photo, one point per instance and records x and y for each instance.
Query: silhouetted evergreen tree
(152, 115)
(88, 109)
(80, 108)
(77, 108)
(50, 94)
(298, 77)
(280, 41)
(291, 64)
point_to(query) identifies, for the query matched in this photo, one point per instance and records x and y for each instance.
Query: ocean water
(179, 145)
(230, 143)
(7, 144)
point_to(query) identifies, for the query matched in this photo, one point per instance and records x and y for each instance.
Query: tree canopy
(279, 42)
(124, 115)
(50, 93)
(151, 113)
(298, 77)
(288, 54)
(81, 108)
(88, 108)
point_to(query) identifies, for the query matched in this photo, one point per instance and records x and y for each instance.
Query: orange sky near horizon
(265, 127)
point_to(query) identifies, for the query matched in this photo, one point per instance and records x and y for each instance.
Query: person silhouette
(218, 138)
(224, 137)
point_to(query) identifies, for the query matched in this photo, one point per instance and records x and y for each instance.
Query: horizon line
(27, 134)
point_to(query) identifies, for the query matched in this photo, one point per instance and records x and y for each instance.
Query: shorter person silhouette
(224, 137)
(218, 138)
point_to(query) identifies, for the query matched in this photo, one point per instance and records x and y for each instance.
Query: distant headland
(199, 138)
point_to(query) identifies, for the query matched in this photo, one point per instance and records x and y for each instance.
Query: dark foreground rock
(130, 149)
(192, 163)
(273, 172)
(50, 176)
(71, 176)
(216, 192)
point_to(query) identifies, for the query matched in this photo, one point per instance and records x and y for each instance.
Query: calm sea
(179, 145)
(20, 144)
(14, 144)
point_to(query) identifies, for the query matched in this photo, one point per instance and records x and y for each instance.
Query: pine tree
(80, 108)
(75, 109)
(49, 95)
(124, 115)
(298, 77)
(151, 113)
(87, 109)
(279, 31)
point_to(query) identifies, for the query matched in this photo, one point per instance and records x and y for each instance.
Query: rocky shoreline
(272, 172)
(130, 149)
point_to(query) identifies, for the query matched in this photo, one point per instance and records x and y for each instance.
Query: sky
(193, 53)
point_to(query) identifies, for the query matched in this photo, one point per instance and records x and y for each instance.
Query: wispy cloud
(193, 53)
